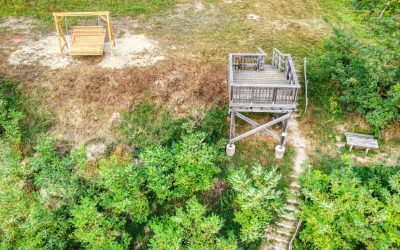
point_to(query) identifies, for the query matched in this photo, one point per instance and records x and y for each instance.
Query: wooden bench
(361, 141)
(87, 41)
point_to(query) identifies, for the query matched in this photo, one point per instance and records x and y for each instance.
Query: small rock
(95, 150)
(253, 17)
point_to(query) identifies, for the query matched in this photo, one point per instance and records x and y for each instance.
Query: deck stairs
(279, 234)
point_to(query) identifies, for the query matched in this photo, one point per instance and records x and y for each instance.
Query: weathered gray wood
(255, 125)
(361, 141)
(256, 87)
(259, 128)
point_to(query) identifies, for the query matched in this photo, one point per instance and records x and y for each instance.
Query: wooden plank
(90, 13)
(259, 128)
(361, 140)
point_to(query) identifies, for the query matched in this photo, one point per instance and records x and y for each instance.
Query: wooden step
(283, 232)
(291, 208)
(295, 185)
(286, 225)
(288, 217)
(280, 239)
(292, 201)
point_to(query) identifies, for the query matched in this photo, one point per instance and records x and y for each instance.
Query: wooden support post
(284, 131)
(58, 35)
(232, 127)
(110, 35)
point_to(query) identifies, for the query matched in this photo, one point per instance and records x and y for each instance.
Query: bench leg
(351, 148)
(366, 150)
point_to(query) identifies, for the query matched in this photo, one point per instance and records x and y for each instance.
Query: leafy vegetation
(190, 229)
(166, 183)
(180, 171)
(353, 74)
(365, 198)
(150, 197)
(258, 201)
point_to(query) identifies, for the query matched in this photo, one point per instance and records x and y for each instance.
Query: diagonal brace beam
(255, 124)
(260, 128)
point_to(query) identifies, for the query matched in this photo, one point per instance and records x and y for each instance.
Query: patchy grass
(42, 9)
(327, 138)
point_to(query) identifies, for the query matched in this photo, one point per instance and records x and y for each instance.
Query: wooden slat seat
(87, 40)
(361, 141)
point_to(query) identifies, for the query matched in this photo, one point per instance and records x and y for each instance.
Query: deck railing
(284, 62)
(258, 95)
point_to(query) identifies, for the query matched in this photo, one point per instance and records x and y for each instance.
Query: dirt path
(298, 141)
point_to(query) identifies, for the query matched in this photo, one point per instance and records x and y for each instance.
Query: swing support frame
(60, 16)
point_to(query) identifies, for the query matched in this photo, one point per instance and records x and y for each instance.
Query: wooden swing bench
(86, 40)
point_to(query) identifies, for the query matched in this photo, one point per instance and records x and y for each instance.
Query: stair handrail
(298, 223)
(278, 58)
(294, 235)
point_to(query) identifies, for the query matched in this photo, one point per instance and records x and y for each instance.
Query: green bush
(345, 211)
(20, 124)
(258, 201)
(353, 74)
(95, 229)
(53, 176)
(182, 170)
(44, 228)
(190, 229)
(121, 183)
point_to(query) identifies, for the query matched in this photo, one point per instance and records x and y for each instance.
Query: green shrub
(190, 229)
(257, 201)
(95, 229)
(121, 183)
(360, 75)
(344, 211)
(44, 229)
(20, 124)
(187, 167)
(214, 124)
(53, 176)
(14, 200)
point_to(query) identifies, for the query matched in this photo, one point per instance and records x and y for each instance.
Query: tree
(343, 211)
(121, 182)
(190, 229)
(257, 201)
(97, 230)
(185, 168)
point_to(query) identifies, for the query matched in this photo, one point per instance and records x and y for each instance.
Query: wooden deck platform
(255, 86)
(268, 88)
(269, 75)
